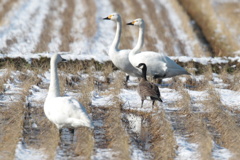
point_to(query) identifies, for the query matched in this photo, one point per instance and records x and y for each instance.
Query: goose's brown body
(147, 89)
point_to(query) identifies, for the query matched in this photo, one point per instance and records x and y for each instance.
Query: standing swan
(120, 57)
(159, 65)
(63, 111)
(147, 89)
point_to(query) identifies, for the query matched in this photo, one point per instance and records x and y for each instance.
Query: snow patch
(25, 153)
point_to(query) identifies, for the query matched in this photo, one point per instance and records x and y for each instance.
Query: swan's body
(120, 57)
(63, 111)
(159, 65)
(146, 89)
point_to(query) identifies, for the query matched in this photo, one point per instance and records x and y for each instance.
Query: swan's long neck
(140, 42)
(54, 81)
(116, 41)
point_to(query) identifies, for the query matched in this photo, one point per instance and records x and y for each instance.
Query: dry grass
(232, 80)
(4, 79)
(12, 122)
(91, 26)
(107, 72)
(207, 76)
(45, 37)
(48, 138)
(116, 134)
(195, 126)
(229, 15)
(67, 15)
(117, 84)
(117, 137)
(84, 143)
(216, 33)
(197, 49)
(163, 144)
(85, 88)
(5, 9)
(13, 118)
(223, 123)
(157, 18)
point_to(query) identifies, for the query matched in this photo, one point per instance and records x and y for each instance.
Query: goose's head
(56, 58)
(113, 17)
(141, 66)
(137, 22)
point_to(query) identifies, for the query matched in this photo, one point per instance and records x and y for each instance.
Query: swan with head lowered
(64, 112)
(117, 56)
(159, 65)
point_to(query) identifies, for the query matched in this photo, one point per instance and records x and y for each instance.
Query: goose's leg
(142, 103)
(153, 103)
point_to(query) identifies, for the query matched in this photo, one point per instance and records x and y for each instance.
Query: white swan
(63, 111)
(120, 57)
(159, 65)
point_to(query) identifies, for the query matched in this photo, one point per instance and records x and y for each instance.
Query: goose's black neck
(144, 72)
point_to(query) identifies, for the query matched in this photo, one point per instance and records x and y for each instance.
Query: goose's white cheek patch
(148, 98)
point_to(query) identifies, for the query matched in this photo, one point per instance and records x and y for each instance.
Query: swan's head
(113, 17)
(137, 22)
(141, 66)
(56, 58)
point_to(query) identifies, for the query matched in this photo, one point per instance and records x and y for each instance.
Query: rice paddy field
(200, 114)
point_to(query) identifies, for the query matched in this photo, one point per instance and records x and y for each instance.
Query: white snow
(230, 98)
(26, 153)
(25, 26)
(220, 153)
(98, 100)
(103, 154)
(56, 24)
(135, 122)
(37, 96)
(179, 31)
(186, 150)
(138, 154)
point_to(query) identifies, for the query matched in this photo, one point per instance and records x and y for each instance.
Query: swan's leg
(60, 132)
(71, 130)
(127, 78)
(60, 136)
(126, 81)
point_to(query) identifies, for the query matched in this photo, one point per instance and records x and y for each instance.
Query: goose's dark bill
(64, 60)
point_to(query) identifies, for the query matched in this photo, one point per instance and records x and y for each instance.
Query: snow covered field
(198, 119)
(179, 102)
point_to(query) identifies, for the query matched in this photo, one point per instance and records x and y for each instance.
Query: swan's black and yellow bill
(108, 17)
(131, 23)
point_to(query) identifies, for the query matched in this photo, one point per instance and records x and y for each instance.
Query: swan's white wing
(154, 63)
(158, 64)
